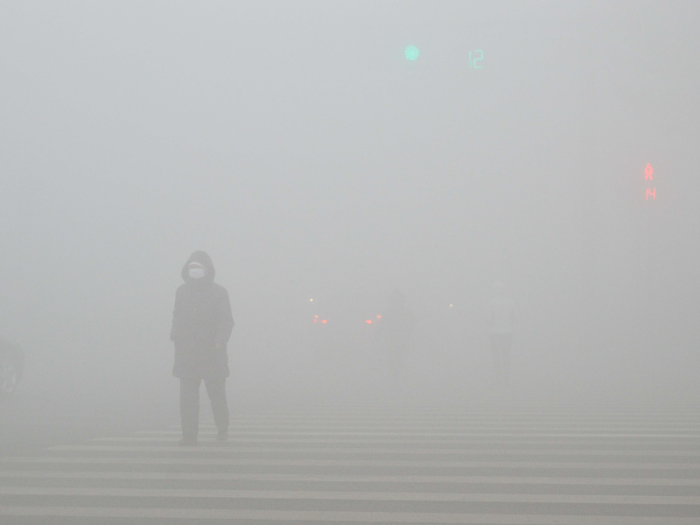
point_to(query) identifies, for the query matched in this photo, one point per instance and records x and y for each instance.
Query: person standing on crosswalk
(500, 319)
(396, 330)
(202, 325)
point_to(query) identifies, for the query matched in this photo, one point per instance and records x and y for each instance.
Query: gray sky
(295, 143)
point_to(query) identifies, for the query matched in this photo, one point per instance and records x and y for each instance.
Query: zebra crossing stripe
(348, 496)
(407, 479)
(512, 434)
(361, 450)
(349, 463)
(339, 516)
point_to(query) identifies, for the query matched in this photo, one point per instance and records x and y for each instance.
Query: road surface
(527, 466)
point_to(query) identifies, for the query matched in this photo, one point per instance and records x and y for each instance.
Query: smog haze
(324, 171)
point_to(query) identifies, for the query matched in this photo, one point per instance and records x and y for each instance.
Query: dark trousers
(189, 404)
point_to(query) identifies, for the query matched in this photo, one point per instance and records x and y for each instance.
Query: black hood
(203, 259)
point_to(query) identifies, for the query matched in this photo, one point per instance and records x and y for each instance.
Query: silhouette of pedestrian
(500, 318)
(202, 325)
(395, 329)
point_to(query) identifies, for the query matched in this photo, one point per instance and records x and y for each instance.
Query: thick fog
(296, 144)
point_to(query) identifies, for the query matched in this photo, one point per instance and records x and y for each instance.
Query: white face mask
(197, 273)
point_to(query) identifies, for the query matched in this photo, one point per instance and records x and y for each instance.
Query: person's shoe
(222, 436)
(188, 442)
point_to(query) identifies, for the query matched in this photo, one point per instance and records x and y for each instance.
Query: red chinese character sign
(649, 175)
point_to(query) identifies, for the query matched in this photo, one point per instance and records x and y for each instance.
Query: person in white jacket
(500, 319)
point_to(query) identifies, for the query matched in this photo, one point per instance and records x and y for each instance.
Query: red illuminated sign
(649, 175)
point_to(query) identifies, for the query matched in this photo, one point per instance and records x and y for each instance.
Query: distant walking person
(500, 319)
(202, 324)
(396, 329)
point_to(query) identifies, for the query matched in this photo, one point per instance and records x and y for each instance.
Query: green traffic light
(412, 53)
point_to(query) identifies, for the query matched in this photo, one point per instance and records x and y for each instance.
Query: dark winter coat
(201, 320)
